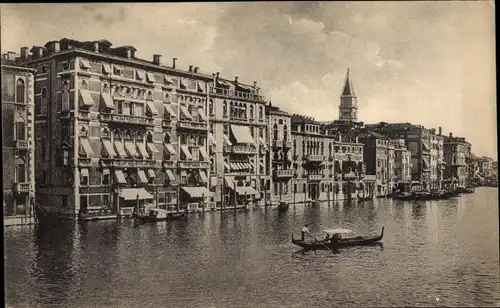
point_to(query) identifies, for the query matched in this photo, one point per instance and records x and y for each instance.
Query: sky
(428, 63)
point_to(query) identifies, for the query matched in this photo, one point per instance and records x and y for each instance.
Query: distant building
(18, 142)
(402, 164)
(456, 155)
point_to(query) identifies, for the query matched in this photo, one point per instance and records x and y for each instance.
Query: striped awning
(85, 98)
(151, 147)
(142, 176)
(120, 177)
(120, 149)
(108, 148)
(170, 110)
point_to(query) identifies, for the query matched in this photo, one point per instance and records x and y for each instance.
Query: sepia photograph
(250, 154)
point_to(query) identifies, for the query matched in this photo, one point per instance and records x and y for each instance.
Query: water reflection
(430, 249)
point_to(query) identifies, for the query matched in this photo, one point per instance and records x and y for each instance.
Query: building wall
(18, 143)
(281, 157)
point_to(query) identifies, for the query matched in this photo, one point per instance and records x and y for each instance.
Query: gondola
(176, 215)
(283, 206)
(337, 241)
(405, 196)
(152, 215)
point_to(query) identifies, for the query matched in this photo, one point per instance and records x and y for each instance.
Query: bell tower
(348, 109)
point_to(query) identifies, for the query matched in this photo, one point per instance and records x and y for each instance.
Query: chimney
(235, 79)
(11, 56)
(217, 74)
(24, 53)
(440, 130)
(451, 135)
(196, 69)
(56, 46)
(96, 46)
(40, 52)
(157, 59)
(340, 137)
(255, 84)
(190, 68)
(173, 62)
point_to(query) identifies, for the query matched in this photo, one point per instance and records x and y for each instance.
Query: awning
(142, 150)
(223, 83)
(226, 166)
(142, 176)
(183, 173)
(152, 108)
(183, 83)
(169, 80)
(213, 181)
(226, 140)
(426, 146)
(229, 181)
(130, 148)
(198, 192)
(141, 75)
(151, 147)
(203, 176)
(84, 172)
(120, 178)
(85, 98)
(108, 148)
(106, 68)
(204, 154)
(170, 175)
(120, 150)
(200, 87)
(168, 109)
(185, 112)
(203, 117)
(211, 138)
(150, 77)
(135, 193)
(105, 171)
(170, 148)
(185, 149)
(242, 166)
(262, 142)
(234, 166)
(242, 134)
(85, 63)
(151, 173)
(87, 149)
(245, 87)
(246, 190)
(107, 100)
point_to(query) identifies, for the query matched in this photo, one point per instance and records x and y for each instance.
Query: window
(261, 113)
(224, 109)
(252, 132)
(65, 66)
(294, 147)
(20, 170)
(106, 179)
(251, 112)
(226, 129)
(20, 129)
(275, 131)
(211, 106)
(285, 133)
(20, 91)
(44, 69)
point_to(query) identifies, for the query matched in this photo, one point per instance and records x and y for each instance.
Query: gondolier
(305, 231)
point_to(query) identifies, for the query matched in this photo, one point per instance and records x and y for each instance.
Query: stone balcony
(288, 173)
(23, 144)
(22, 187)
(84, 162)
(236, 94)
(197, 126)
(189, 164)
(167, 124)
(240, 149)
(314, 177)
(315, 158)
(126, 119)
(128, 163)
(169, 164)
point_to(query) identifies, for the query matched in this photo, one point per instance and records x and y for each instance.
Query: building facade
(239, 152)
(279, 123)
(115, 131)
(402, 165)
(456, 155)
(18, 142)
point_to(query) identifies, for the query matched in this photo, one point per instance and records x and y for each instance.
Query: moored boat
(335, 240)
(154, 214)
(404, 196)
(283, 206)
(176, 215)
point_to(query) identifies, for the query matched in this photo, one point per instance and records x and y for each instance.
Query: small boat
(154, 214)
(283, 206)
(404, 196)
(335, 240)
(176, 215)
(465, 190)
(364, 198)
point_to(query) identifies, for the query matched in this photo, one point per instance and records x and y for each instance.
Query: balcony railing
(127, 163)
(237, 94)
(314, 177)
(129, 119)
(23, 187)
(192, 125)
(168, 164)
(193, 164)
(84, 161)
(240, 149)
(349, 176)
(288, 173)
(23, 144)
(167, 124)
(315, 158)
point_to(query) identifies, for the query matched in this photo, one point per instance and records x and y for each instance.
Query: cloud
(431, 63)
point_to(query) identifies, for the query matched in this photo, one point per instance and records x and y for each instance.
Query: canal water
(435, 253)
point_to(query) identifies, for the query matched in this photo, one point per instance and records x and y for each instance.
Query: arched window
(167, 138)
(251, 111)
(322, 149)
(275, 131)
(294, 147)
(245, 115)
(303, 147)
(231, 111)
(149, 137)
(330, 149)
(20, 129)
(20, 91)
(139, 136)
(20, 170)
(224, 108)
(285, 133)
(117, 136)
